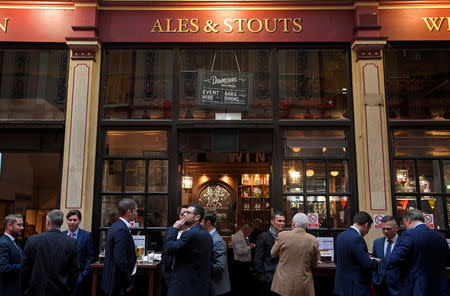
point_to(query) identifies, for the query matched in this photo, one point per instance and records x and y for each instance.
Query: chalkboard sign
(224, 90)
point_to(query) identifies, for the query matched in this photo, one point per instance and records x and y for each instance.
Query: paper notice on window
(139, 241)
(327, 243)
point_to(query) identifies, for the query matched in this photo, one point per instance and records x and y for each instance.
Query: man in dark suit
(10, 256)
(50, 261)
(220, 278)
(353, 263)
(192, 252)
(85, 251)
(422, 255)
(120, 254)
(264, 263)
(385, 282)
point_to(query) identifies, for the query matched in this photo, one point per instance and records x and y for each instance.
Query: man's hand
(129, 288)
(376, 259)
(252, 245)
(180, 223)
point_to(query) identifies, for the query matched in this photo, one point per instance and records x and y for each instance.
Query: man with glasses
(120, 254)
(192, 255)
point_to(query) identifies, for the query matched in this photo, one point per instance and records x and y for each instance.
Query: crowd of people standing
(195, 261)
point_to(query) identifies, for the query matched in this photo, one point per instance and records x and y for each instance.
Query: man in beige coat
(298, 251)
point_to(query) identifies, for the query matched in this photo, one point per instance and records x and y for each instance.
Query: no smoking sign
(429, 220)
(313, 220)
(377, 220)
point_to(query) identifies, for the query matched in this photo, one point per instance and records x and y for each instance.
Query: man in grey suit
(219, 271)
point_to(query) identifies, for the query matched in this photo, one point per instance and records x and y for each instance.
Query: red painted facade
(318, 21)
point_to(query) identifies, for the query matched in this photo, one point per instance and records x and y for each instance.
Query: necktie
(388, 249)
(72, 234)
(18, 248)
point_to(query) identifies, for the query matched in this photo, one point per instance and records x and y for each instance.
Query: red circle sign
(427, 218)
(312, 218)
(378, 219)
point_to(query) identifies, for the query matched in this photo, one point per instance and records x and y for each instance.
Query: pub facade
(246, 107)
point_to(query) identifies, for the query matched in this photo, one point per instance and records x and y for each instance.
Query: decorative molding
(83, 48)
(369, 50)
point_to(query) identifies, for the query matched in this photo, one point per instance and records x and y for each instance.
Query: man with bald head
(298, 252)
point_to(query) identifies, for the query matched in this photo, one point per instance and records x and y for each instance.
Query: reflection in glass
(317, 204)
(312, 83)
(418, 83)
(255, 62)
(405, 180)
(422, 143)
(315, 176)
(135, 175)
(34, 83)
(340, 210)
(109, 213)
(434, 205)
(317, 143)
(146, 143)
(338, 180)
(293, 201)
(112, 175)
(137, 83)
(429, 176)
(404, 203)
(157, 176)
(157, 211)
(292, 176)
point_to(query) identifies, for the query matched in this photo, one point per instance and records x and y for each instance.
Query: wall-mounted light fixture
(296, 149)
(309, 173)
(186, 182)
(334, 173)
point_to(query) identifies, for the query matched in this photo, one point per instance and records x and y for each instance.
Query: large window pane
(157, 176)
(422, 143)
(338, 180)
(404, 203)
(137, 84)
(318, 143)
(312, 83)
(156, 211)
(405, 180)
(33, 84)
(418, 83)
(254, 62)
(429, 176)
(109, 213)
(340, 210)
(434, 205)
(447, 175)
(135, 175)
(315, 176)
(317, 204)
(140, 143)
(293, 176)
(112, 175)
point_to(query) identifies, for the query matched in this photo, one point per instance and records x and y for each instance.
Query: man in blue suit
(85, 251)
(384, 281)
(422, 255)
(120, 254)
(220, 278)
(353, 263)
(10, 256)
(191, 272)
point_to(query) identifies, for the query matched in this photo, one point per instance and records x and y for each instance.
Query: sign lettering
(4, 26)
(230, 25)
(435, 23)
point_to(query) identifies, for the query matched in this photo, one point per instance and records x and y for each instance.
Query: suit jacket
(10, 261)
(219, 272)
(86, 257)
(50, 264)
(241, 250)
(120, 259)
(298, 252)
(422, 255)
(391, 276)
(192, 262)
(265, 264)
(353, 265)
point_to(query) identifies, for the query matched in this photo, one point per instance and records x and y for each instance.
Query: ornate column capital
(83, 48)
(369, 48)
